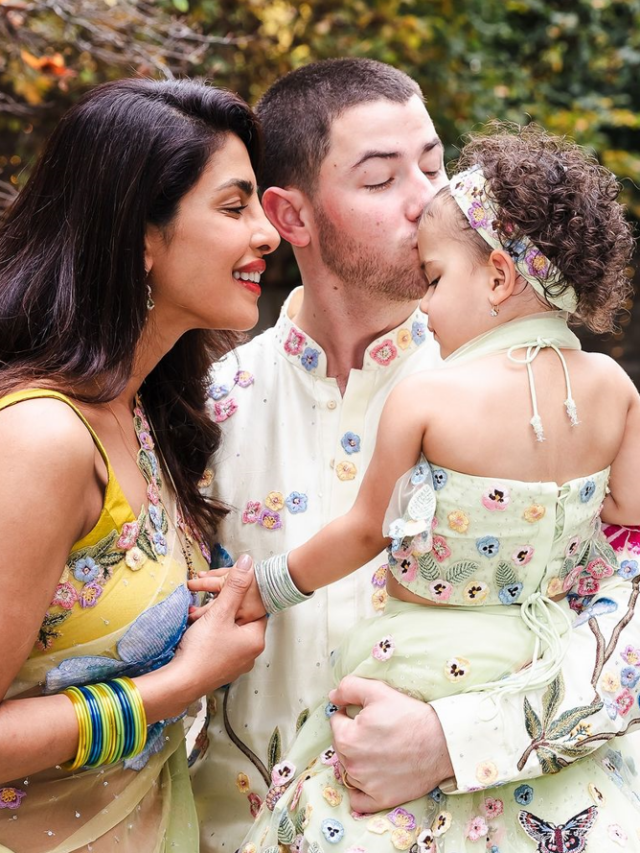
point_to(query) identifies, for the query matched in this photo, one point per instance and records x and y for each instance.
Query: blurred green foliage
(572, 66)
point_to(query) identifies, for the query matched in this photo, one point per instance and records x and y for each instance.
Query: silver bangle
(276, 586)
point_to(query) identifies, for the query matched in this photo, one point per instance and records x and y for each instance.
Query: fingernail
(245, 562)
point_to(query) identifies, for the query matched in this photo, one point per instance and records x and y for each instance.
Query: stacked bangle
(112, 724)
(276, 585)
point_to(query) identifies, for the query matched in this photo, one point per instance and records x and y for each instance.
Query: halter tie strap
(533, 349)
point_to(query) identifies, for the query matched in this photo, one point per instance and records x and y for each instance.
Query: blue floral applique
(418, 332)
(488, 546)
(587, 491)
(440, 478)
(309, 358)
(350, 443)
(296, 502)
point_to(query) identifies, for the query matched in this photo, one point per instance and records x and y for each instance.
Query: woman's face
(205, 266)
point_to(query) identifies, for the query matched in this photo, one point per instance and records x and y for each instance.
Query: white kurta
(293, 457)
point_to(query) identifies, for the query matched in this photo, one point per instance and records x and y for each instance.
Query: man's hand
(212, 582)
(393, 751)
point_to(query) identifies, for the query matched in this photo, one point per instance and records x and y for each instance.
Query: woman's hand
(216, 649)
(212, 583)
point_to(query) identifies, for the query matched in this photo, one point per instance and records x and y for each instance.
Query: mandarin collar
(386, 351)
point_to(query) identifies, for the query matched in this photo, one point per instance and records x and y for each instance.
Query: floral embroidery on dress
(11, 798)
(456, 669)
(440, 478)
(383, 649)
(534, 513)
(497, 497)
(587, 491)
(523, 795)
(332, 830)
(458, 521)
(384, 352)
(629, 569)
(243, 378)
(476, 828)
(488, 546)
(523, 555)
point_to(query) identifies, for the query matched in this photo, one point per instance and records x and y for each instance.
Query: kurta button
(331, 404)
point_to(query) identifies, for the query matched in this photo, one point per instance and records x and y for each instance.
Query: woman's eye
(236, 210)
(433, 175)
(374, 187)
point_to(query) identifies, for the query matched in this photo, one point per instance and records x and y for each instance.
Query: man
(352, 158)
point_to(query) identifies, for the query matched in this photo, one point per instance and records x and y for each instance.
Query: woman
(139, 232)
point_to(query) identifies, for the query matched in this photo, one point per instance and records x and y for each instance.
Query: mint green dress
(494, 553)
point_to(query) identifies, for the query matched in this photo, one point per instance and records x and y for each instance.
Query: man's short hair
(297, 113)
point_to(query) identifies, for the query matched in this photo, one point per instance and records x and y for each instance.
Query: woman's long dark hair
(72, 278)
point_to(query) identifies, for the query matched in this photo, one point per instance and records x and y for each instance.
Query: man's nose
(423, 189)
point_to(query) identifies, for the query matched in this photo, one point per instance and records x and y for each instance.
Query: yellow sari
(120, 608)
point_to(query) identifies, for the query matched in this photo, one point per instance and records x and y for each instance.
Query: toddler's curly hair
(552, 190)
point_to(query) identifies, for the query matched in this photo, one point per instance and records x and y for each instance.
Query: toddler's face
(458, 286)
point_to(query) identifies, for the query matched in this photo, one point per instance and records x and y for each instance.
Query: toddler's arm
(622, 505)
(356, 537)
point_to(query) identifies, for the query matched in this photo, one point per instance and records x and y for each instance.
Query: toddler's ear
(503, 276)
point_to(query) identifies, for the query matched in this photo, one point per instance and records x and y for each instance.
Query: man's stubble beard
(349, 261)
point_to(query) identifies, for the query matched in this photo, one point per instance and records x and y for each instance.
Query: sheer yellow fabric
(120, 608)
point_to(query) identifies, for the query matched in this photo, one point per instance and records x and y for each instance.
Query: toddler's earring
(494, 309)
(150, 303)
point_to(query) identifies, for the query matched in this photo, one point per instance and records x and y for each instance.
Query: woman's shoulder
(35, 430)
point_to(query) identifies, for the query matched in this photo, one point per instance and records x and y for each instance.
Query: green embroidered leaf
(111, 559)
(549, 761)
(137, 423)
(567, 566)
(274, 750)
(552, 699)
(566, 722)
(429, 568)
(606, 552)
(570, 751)
(459, 572)
(145, 466)
(531, 721)
(286, 830)
(505, 575)
(144, 543)
(164, 523)
(302, 719)
(314, 847)
(300, 817)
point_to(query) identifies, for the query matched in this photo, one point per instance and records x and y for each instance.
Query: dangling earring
(494, 309)
(150, 303)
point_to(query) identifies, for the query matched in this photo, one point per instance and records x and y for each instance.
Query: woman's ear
(285, 210)
(502, 276)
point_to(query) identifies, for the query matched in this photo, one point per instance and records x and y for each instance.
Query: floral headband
(471, 192)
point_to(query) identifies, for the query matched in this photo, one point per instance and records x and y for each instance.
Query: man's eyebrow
(393, 155)
(244, 186)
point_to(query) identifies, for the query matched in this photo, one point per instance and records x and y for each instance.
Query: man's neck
(346, 323)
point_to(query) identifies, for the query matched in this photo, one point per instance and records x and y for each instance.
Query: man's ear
(503, 276)
(286, 211)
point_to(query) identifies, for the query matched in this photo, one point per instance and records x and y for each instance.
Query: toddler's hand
(211, 583)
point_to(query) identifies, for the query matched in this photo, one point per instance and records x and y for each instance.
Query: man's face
(384, 164)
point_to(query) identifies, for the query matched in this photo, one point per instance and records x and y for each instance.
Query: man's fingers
(355, 691)
(361, 802)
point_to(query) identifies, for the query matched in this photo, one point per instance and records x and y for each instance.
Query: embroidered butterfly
(569, 837)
